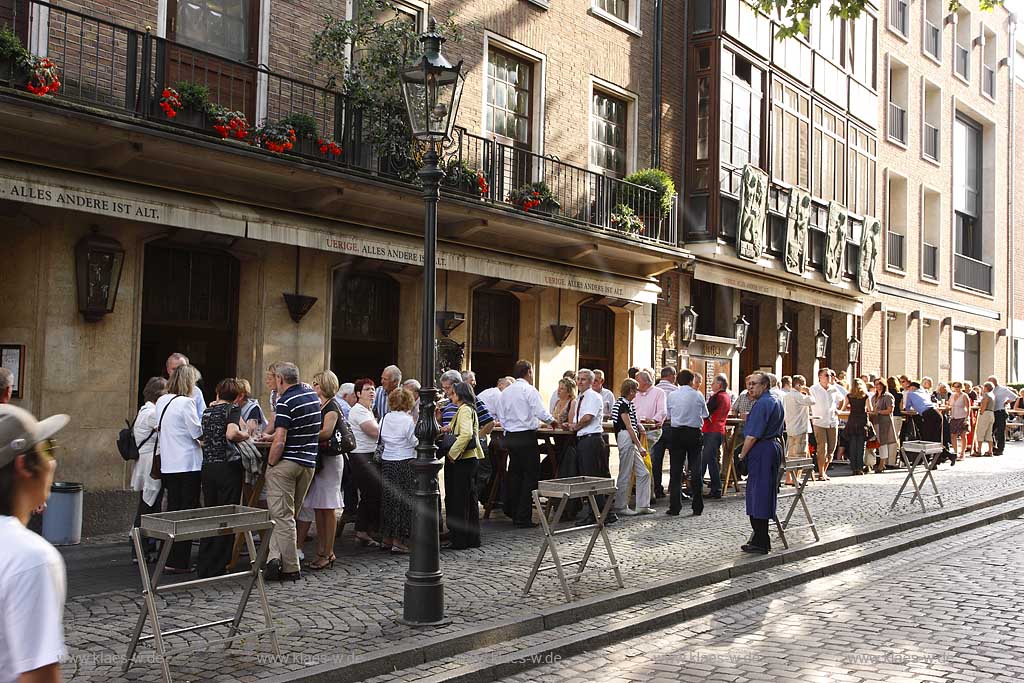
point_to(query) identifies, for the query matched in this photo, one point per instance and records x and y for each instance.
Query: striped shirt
(483, 415)
(298, 411)
(380, 403)
(624, 410)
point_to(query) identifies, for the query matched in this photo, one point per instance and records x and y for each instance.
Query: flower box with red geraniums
(170, 102)
(275, 137)
(534, 197)
(43, 78)
(625, 219)
(329, 148)
(229, 124)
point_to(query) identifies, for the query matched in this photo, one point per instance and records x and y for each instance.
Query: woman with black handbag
(463, 511)
(324, 496)
(858, 403)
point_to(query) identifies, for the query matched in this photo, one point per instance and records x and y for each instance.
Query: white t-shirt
(398, 434)
(179, 450)
(32, 590)
(590, 403)
(357, 416)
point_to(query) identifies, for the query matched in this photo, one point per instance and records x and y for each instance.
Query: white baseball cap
(20, 431)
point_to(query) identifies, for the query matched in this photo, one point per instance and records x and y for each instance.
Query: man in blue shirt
(290, 466)
(686, 412)
(762, 448)
(928, 420)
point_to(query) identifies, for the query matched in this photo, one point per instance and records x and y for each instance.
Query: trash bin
(62, 521)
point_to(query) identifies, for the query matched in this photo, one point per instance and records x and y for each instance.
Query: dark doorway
(189, 306)
(364, 325)
(749, 356)
(597, 336)
(495, 336)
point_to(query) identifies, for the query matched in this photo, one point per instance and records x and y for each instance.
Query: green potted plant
(654, 206)
(306, 134)
(194, 104)
(15, 60)
(625, 219)
(534, 197)
(461, 177)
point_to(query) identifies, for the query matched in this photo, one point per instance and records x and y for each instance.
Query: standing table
(187, 525)
(925, 454)
(728, 472)
(562, 491)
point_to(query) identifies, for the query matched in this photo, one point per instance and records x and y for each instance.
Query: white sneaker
(645, 511)
(626, 512)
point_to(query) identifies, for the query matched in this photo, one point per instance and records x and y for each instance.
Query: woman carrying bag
(324, 496)
(858, 404)
(151, 491)
(463, 513)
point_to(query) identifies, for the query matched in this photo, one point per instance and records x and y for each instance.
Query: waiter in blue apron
(762, 450)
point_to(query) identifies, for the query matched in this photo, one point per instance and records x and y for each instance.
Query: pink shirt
(650, 405)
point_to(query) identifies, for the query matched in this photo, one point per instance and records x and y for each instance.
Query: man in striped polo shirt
(291, 463)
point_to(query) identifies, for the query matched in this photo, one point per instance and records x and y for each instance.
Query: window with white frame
(931, 115)
(609, 133)
(509, 94)
(962, 45)
(899, 95)
(932, 34)
(899, 16)
(623, 12)
(989, 63)
(896, 234)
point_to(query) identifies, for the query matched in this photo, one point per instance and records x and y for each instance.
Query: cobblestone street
(339, 615)
(945, 612)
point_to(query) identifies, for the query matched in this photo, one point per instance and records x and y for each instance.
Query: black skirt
(399, 485)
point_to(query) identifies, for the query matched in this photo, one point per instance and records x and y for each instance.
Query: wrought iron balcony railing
(896, 251)
(972, 274)
(963, 61)
(988, 80)
(897, 123)
(930, 264)
(932, 39)
(108, 67)
(931, 142)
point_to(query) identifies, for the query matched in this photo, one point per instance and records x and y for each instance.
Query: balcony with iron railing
(932, 39)
(970, 273)
(988, 80)
(931, 142)
(897, 123)
(930, 261)
(896, 251)
(121, 73)
(962, 61)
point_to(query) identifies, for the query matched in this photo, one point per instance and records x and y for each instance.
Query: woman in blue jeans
(858, 403)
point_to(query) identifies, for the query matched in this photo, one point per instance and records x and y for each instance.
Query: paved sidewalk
(948, 611)
(352, 610)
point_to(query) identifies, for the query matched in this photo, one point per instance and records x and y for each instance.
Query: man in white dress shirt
(825, 419)
(607, 397)
(176, 360)
(491, 396)
(586, 422)
(521, 409)
(686, 412)
(796, 405)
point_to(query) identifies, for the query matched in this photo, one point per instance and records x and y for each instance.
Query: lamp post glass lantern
(432, 88)
(820, 344)
(783, 339)
(853, 347)
(740, 328)
(98, 262)
(688, 325)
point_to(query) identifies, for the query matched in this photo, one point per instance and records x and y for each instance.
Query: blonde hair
(628, 385)
(183, 380)
(245, 386)
(568, 385)
(858, 390)
(328, 382)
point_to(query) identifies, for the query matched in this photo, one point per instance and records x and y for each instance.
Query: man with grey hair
(719, 405)
(346, 398)
(607, 397)
(650, 405)
(6, 385)
(470, 377)
(176, 360)
(490, 396)
(590, 451)
(290, 466)
(390, 379)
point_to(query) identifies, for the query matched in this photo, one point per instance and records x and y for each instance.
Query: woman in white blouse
(144, 430)
(181, 457)
(398, 435)
(366, 473)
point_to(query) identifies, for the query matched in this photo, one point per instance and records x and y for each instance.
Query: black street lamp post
(432, 88)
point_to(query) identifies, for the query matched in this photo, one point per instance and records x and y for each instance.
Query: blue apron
(766, 421)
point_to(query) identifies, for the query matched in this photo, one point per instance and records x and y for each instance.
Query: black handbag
(448, 440)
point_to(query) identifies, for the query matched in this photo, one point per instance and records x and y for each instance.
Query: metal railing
(962, 57)
(972, 274)
(930, 261)
(931, 142)
(895, 252)
(932, 39)
(988, 80)
(111, 67)
(899, 15)
(897, 123)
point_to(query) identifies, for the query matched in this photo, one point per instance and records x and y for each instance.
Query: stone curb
(404, 656)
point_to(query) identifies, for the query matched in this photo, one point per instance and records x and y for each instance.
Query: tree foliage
(795, 15)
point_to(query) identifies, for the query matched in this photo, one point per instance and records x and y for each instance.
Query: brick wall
(667, 316)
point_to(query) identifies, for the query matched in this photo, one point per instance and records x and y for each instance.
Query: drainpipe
(1011, 192)
(659, 17)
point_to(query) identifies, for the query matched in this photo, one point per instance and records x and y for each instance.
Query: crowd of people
(190, 452)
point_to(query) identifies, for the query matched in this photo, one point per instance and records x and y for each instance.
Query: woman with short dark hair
(463, 512)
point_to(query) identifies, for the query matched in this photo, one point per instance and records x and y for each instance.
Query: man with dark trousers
(521, 409)
(686, 411)
(586, 422)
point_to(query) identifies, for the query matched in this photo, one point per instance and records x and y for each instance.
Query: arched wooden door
(190, 306)
(495, 336)
(364, 325)
(597, 339)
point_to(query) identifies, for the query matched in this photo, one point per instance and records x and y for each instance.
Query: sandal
(367, 542)
(322, 563)
(399, 550)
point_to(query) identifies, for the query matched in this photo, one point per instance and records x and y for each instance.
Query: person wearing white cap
(32, 574)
